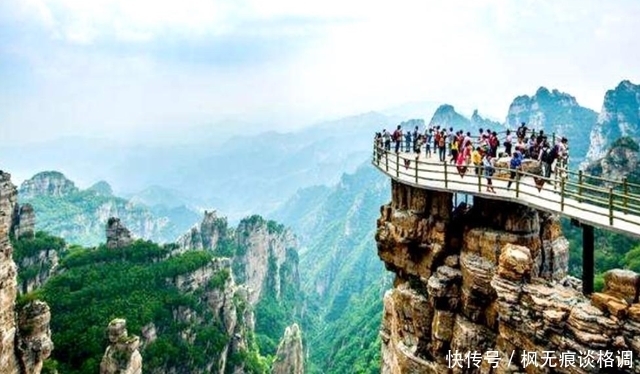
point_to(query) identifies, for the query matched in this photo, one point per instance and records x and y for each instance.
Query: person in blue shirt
(514, 165)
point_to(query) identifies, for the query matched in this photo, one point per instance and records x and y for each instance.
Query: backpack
(396, 136)
(441, 142)
(521, 132)
(493, 141)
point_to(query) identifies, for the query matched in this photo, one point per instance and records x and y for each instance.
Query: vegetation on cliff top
(97, 285)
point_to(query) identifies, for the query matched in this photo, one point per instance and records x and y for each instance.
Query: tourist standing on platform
(397, 138)
(514, 165)
(508, 142)
(450, 137)
(415, 135)
(488, 165)
(442, 145)
(454, 150)
(476, 159)
(521, 132)
(428, 138)
(387, 140)
(493, 143)
(407, 141)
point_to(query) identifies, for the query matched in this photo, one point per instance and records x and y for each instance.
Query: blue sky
(118, 68)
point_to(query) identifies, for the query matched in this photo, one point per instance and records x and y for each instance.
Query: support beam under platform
(587, 259)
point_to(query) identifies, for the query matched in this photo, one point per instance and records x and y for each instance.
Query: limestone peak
(47, 183)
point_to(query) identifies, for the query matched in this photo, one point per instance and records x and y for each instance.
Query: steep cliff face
(26, 344)
(206, 235)
(23, 221)
(228, 303)
(554, 112)
(491, 278)
(267, 258)
(289, 357)
(47, 183)
(619, 117)
(620, 161)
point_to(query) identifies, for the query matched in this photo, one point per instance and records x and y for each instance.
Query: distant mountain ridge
(79, 216)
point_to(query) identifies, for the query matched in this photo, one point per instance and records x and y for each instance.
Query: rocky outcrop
(36, 269)
(118, 236)
(228, 302)
(24, 336)
(47, 183)
(23, 221)
(206, 235)
(122, 355)
(619, 117)
(289, 357)
(34, 344)
(267, 258)
(554, 112)
(492, 279)
(620, 161)
(479, 122)
(446, 116)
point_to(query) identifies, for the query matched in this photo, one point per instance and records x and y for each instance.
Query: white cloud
(354, 56)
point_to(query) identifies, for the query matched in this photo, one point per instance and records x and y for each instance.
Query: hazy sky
(117, 67)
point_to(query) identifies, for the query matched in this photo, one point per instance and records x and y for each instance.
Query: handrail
(595, 204)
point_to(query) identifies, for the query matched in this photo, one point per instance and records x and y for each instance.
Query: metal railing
(607, 203)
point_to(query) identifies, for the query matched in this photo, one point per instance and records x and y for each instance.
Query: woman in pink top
(463, 159)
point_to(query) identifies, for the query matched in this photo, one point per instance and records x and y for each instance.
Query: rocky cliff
(554, 112)
(122, 355)
(446, 117)
(228, 303)
(47, 183)
(289, 357)
(118, 236)
(619, 117)
(205, 235)
(620, 161)
(267, 259)
(492, 279)
(479, 122)
(24, 335)
(23, 221)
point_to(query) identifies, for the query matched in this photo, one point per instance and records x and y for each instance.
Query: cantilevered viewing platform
(589, 201)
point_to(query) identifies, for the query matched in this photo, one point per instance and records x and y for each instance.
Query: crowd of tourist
(478, 151)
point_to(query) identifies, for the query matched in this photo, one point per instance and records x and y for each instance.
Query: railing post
(386, 160)
(416, 171)
(479, 182)
(611, 206)
(553, 136)
(625, 186)
(445, 175)
(580, 186)
(398, 165)
(562, 194)
(517, 184)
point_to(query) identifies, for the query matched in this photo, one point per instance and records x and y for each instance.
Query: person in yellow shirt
(476, 159)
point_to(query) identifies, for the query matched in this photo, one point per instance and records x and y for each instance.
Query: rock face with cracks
(485, 290)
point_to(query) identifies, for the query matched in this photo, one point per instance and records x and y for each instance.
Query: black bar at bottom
(587, 259)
